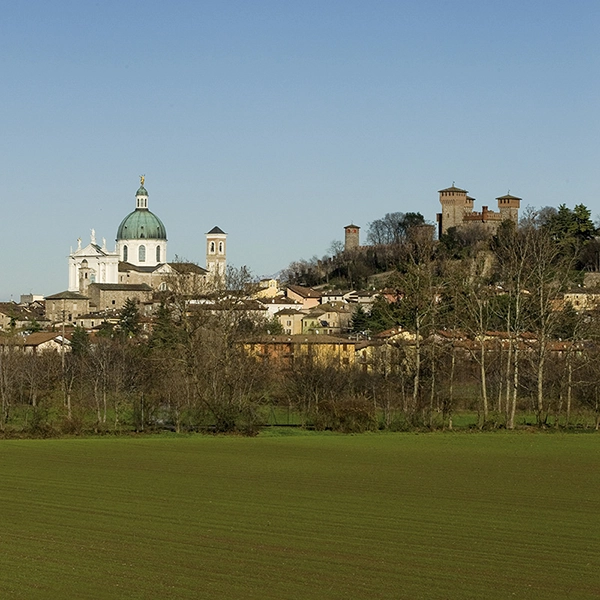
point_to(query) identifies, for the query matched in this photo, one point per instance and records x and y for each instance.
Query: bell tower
(216, 253)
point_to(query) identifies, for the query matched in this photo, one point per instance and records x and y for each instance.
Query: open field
(434, 516)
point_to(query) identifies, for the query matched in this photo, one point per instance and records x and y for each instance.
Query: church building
(140, 256)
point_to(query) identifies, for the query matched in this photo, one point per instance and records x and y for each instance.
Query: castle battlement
(484, 216)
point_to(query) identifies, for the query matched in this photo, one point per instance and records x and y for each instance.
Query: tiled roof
(41, 337)
(67, 295)
(187, 267)
(122, 287)
(305, 292)
(453, 188)
(300, 339)
(127, 266)
(339, 307)
(288, 311)
(279, 300)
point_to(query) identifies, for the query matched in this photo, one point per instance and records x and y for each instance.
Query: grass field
(435, 516)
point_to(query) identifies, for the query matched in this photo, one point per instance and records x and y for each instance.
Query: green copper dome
(141, 224)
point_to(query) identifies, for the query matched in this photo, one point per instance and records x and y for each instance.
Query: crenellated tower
(508, 206)
(455, 203)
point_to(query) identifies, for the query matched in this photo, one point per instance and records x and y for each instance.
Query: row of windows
(213, 247)
(141, 253)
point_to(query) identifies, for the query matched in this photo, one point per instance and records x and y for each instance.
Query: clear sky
(282, 121)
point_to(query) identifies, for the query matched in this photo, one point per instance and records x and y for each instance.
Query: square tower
(455, 203)
(216, 253)
(351, 238)
(509, 207)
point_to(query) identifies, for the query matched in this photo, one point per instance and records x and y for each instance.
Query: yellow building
(290, 350)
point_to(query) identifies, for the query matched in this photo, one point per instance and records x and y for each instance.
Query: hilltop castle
(457, 211)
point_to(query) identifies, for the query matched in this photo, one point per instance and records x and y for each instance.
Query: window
(125, 253)
(157, 253)
(212, 247)
(220, 247)
(142, 253)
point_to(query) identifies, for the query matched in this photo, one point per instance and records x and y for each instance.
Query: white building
(92, 264)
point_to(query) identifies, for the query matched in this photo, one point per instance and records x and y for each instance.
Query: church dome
(141, 224)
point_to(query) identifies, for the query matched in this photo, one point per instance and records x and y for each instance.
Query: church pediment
(92, 250)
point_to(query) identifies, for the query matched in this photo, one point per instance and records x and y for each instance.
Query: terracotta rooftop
(67, 295)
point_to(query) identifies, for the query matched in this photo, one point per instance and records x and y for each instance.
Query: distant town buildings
(102, 280)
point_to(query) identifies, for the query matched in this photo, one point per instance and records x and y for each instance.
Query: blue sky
(281, 122)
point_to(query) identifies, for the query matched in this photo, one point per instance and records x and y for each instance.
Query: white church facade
(92, 264)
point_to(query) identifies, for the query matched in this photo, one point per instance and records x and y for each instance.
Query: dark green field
(434, 516)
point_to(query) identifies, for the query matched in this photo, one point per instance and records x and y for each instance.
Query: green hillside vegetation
(395, 241)
(317, 516)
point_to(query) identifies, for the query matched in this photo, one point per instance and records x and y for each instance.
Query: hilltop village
(101, 282)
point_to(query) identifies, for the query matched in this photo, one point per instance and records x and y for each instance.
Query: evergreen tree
(360, 320)
(80, 342)
(129, 320)
(164, 332)
(571, 227)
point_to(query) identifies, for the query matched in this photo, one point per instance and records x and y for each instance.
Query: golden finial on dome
(142, 179)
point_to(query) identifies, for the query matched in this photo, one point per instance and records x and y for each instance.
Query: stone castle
(457, 211)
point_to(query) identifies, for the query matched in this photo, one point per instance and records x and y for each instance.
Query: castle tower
(351, 238)
(216, 253)
(455, 203)
(509, 207)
